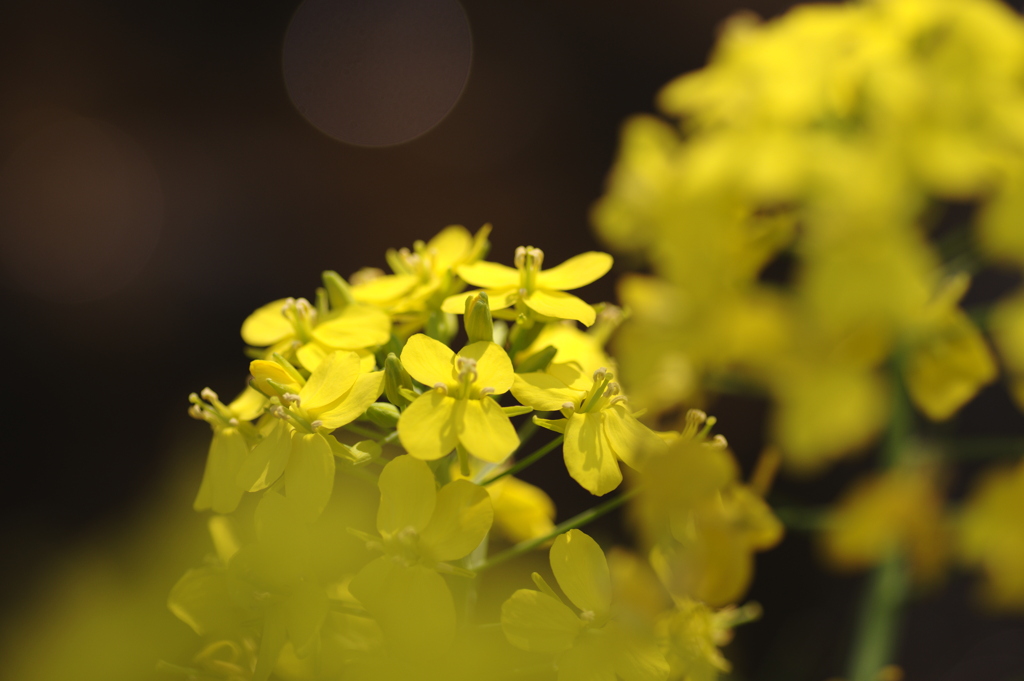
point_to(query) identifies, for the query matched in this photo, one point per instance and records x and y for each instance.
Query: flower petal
(267, 325)
(489, 275)
(497, 299)
(309, 477)
(449, 246)
(637, 658)
(429, 361)
(561, 306)
(485, 430)
(631, 440)
(462, 518)
(267, 460)
(543, 392)
(385, 289)
(581, 570)
(588, 456)
(408, 495)
(521, 510)
(493, 367)
(412, 605)
(219, 490)
(575, 272)
(356, 401)
(335, 376)
(589, 660)
(358, 326)
(539, 623)
(427, 427)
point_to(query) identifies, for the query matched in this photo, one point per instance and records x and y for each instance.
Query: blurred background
(168, 167)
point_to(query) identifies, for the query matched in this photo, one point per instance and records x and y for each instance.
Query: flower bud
(383, 414)
(338, 291)
(396, 378)
(479, 325)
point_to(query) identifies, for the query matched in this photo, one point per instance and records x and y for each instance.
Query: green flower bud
(338, 291)
(383, 414)
(479, 325)
(396, 378)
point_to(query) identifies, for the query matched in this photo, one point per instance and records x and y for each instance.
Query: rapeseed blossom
(529, 288)
(457, 409)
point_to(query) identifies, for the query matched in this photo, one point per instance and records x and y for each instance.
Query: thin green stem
(576, 521)
(524, 463)
(878, 624)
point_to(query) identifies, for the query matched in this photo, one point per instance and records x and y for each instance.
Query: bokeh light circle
(377, 72)
(82, 208)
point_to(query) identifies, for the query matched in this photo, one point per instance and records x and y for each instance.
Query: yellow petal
(263, 370)
(636, 658)
(429, 361)
(267, 325)
(408, 495)
(544, 392)
(355, 402)
(412, 605)
(521, 510)
(631, 440)
(309, 477)
(539, 623)
(304, 612)
(485, 430)
(358, 326)
(336, 375)
(489, 275)
(427, 428)
(588, 457)
(948, 369)
(561, 306)
(219, 490)
(311, 355)
(497, 299)
(275, 635)
(266, 462)
(385, 289)
(589, 660)
(575, 272)
(248, 405)
(201, 600)
(462, 518)
(449, 247)
(581, 570)
(493, 367)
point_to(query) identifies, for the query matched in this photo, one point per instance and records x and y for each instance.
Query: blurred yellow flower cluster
(793, 215)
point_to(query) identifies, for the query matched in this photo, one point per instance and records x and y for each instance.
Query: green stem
(528, 461)
(576, 521)
(877, 630)
(874, 641)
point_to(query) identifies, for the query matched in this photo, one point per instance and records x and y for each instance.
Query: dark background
(245, 202)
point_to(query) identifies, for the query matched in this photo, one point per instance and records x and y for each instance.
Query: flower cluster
(803, 212)
(363, 479)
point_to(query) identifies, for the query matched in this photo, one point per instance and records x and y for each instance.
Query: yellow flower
(294, 325)
(424, 276)
(899, 510)
(421, 528)
(232, 435)
(528, 287)
(599, 429)
(521, 511)
(591, 644)
(704, 524)
(990, 537)
(335, 394)
(457, 408)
